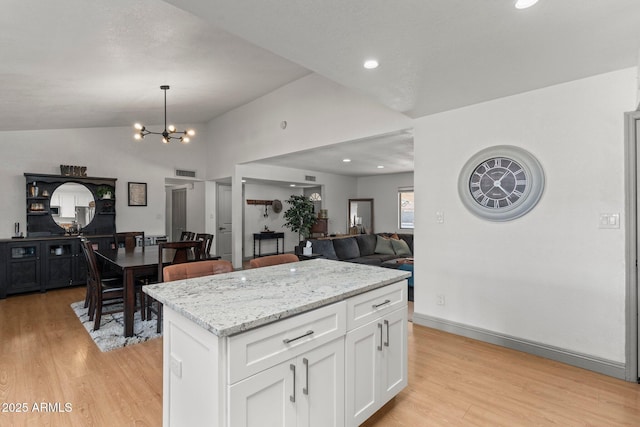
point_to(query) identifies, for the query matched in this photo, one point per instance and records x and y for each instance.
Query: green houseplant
(103, 192)
(300, 216)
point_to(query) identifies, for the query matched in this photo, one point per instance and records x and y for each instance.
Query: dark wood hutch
(50, 257)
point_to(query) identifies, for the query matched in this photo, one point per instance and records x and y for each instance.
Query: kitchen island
(312, 343)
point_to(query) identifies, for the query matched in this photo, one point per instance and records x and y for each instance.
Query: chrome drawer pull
(306, 334)
(293, 369)
(386, 344)
(387, 301)
(380, 346)
(305, 389)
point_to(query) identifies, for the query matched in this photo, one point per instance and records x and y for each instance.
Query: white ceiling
(93, 63)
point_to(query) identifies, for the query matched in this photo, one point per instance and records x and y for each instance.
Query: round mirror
(72, 205)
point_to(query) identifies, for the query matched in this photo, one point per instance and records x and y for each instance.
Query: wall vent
(310, 178)
(190, 174)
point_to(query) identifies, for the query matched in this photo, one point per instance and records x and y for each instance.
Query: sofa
(370, 249)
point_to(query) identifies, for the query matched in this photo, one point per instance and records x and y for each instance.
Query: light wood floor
(46, 356)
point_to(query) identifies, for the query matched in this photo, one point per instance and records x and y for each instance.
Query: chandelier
(169, 132)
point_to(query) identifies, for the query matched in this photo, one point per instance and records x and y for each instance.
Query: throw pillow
(324, 248)
(401, 248)
(383, 246)
(346, 248)
(394, 236)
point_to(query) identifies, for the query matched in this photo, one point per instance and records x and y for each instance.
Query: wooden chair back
(185, 251)
(187, 235)
(128, 239)
(272, 260)
(196, 269)
(208, 241)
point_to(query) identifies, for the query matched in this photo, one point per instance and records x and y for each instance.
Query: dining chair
(208, 241)
(128, 239)
(273, 260)
(103, 292)
(187, 235)
(184, 251)
(196, 269)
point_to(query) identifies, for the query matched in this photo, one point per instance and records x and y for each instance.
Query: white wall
(384, 190)
(552, 276)
(107, 152)
(254, 220)
(317, 111)
(336, 190)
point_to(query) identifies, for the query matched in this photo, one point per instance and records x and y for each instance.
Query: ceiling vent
(189, 174)
(310, 178)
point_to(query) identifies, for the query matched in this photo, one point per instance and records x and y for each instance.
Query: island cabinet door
(320, 382)
(264, 399)
(376, 365)
(307, 391)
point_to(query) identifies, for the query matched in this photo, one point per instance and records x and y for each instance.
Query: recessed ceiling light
(292, 185)
(346, 160)
(380, 167)
(370, 64)
(523, 4)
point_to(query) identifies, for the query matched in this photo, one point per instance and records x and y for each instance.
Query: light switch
(609, 220)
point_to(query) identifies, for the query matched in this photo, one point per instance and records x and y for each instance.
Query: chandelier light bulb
(165, 140)
(185, 139)
(172, 128)
(138, 126)
(191, 132)
(138, 136)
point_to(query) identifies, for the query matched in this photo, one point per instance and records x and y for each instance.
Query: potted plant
(103, 192)
(300, 216)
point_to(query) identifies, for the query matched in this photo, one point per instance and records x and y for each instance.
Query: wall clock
(501, 183)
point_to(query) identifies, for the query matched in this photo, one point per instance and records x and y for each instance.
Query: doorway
(632, 153)
(224, 222)
(178, 213)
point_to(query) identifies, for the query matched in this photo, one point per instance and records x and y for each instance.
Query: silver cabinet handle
(386, 344)
(380, 346)
(293, 369)
(387, 301)
(222, 228)
(289, 340)
(305, 389)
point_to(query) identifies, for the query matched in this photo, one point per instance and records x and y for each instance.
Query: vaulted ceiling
(91, 63)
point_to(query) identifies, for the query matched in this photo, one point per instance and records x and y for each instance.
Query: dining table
(133, 263)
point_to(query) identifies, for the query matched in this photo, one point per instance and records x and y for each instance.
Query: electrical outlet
(440, 217)
(440, 299)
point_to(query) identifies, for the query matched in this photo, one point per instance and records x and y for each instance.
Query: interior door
(223, 242)
(178, 213)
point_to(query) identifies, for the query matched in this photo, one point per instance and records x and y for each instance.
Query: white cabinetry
(376, 352)
(331, 366)
(307, 391)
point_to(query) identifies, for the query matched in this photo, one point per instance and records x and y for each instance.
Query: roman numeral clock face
(501, 183)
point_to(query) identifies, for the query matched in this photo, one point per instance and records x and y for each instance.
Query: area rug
(110, 336)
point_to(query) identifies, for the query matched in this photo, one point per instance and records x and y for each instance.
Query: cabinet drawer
(366, 307)
(261, 348)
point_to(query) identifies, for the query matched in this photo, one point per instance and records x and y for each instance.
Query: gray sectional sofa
(370, 249)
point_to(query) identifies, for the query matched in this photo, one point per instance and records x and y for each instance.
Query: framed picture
(137, 194)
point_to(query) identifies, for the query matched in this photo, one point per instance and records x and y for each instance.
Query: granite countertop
(227, 304)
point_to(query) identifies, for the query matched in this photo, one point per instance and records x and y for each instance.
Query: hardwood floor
(47, 357)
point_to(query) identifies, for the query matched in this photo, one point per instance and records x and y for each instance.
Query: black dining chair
(208, 241)
(102, 292)
(128, 239)
(187, 235)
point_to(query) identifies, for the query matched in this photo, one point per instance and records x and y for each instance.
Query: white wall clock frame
(501, 183)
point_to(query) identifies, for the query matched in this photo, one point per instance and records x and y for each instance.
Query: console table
(259, 237)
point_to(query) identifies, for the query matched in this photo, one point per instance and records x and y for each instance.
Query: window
(405, 204)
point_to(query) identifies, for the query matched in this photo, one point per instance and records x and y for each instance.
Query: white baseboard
(603, 366)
